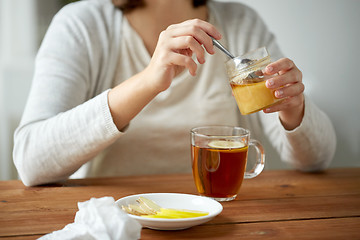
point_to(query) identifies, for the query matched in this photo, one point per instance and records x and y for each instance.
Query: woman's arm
(62, 128)
(301, 133)
(67, 121)
(173, 54)
(310, 146)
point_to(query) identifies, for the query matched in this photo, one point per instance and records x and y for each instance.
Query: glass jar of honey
(248, 81)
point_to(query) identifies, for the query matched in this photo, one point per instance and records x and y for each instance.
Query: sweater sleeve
(309, 147)
(65, 123)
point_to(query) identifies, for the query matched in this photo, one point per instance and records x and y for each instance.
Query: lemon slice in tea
(223, 144)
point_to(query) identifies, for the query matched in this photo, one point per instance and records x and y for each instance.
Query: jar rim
(254, 57)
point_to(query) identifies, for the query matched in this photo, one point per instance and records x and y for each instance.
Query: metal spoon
(224, 50)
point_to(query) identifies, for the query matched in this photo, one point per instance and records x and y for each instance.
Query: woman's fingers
(186, 38)
(286, 85)
(281, 66)
(187, 42)
(175, 48)
(286, 103)
(198, 29)
(183, 61)
(277, 81)
(290, 90)
(286, 81)
(198, 35)
(197, 23)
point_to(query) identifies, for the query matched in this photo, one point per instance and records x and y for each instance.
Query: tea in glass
(219, 157)
(212, 179)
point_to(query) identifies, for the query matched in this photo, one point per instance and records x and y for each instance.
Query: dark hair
(129, 5)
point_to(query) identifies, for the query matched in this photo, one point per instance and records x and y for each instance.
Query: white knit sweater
(90, 48)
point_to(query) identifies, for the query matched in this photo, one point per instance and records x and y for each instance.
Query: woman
(115, 92)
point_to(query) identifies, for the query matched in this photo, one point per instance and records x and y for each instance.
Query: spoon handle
(222, 48)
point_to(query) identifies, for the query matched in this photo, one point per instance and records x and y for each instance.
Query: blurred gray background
(321, 36)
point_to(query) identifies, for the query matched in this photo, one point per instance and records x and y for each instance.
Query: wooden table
(275, 205)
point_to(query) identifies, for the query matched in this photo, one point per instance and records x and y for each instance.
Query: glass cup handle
(260, 160)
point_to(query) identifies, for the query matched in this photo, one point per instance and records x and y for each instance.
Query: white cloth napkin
(98, 218)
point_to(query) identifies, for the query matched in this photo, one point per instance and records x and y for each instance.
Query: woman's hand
(287, 85)
(173, 53)
(175, 48)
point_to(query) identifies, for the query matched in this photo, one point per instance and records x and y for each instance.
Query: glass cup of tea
(248, 81)
(219, 157)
